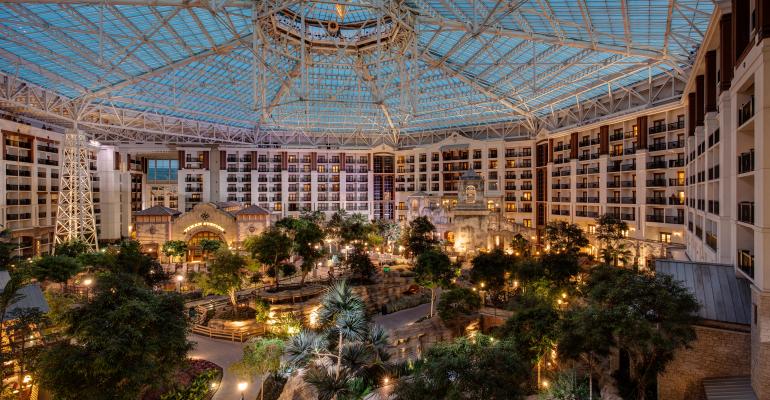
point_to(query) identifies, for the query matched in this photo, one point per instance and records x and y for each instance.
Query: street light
(87, 283)
(242, 387)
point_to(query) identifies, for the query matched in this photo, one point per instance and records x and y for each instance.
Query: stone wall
(410, 341)
(391, 287)
(722, 351)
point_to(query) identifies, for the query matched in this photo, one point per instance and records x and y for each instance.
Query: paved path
(224, 354)
(403, 317)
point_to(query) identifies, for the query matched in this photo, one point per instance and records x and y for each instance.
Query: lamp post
(87, 283)
(242, 387)
(179, 279)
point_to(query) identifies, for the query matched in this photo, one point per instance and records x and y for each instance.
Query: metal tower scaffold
(75, 218)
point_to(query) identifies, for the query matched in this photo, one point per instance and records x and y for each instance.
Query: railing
(746, 162)
(746, 111)
(674, 219)
(240, 335)
(656, 182)
(656, 164)
(657, 146)
(655, 218)
(746, 212)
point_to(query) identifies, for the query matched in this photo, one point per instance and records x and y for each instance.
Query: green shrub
(409, 301)
(197, 390)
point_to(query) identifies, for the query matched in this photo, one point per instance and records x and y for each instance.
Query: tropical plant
(389, 231)
(125, 339)
(567, 386)
(226, 272)
(565, 237)
(58, 268)
(128, 258)
(261, 356)
(345, 346)
(478, 368)
(433, 269)
(645, 316)
(174, 248)
(419, 236)
(272, 248)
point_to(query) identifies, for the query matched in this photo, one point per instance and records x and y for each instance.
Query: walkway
(403, 317)
(224, 354)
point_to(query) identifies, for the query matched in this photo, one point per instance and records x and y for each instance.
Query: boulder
(297, 389)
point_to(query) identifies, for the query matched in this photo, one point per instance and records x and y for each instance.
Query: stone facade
(717, 352)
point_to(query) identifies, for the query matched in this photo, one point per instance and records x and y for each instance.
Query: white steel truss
(75, 219)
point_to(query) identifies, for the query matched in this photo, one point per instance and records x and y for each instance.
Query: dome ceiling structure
(394, 67)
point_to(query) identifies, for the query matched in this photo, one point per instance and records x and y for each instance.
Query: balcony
(587, 200)
(746, 162)
(659, 182)
(656, 164)
(746, 111)
(746, 212)
(655, 218)
(746, 262)
(657, 128)
(676, 144)
(656, 200)
(674, 219)
(676, 201)
(676, 125)
(675, 182)
(657, 146)
(627, 167)
(588, 214)
(679, 162)
(613, 200)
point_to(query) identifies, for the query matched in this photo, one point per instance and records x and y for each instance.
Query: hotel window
(665, 237)
(322, 169)
(335, 169)
(527, 223)
(591, 229)
(635, 129)
(492, 163)
(527, 196)
(292, 158)
(162, 170)
(492, 153)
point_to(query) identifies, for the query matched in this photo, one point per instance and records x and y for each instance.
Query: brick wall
(716, 352)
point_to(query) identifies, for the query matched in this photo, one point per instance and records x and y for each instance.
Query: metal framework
(75, 219)
(286, 72)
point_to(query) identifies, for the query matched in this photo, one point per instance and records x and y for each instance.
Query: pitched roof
(252, 210)
(158, 210)
(29, 297)
(722, 295)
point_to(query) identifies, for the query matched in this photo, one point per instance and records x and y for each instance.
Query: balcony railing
(657, 146)
(746, 162)
(674, 219)
(746, 212)
(656, 182)
(746, 111)
(655, 218)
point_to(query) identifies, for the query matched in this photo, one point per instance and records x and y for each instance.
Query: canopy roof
(451, 63)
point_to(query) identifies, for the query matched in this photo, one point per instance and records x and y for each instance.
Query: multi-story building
(727, 123)
(29, 166)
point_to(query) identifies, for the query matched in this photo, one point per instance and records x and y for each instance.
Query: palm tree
(345, 348)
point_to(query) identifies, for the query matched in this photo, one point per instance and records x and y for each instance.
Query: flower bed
(195, 380)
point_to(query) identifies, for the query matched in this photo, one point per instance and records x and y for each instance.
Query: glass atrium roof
(388, 65)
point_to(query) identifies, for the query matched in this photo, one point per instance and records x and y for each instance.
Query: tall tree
(611, 233)
(72, 248)
(361, 266)
(420, 236)
(58, 268)
(174, 248)
(272, 248)
(261, 356)
(389, 231)
(646, 316)
(433, 269)
(7, 247)
(125, 339)
(458, 307)
(209, 246)
(564, 237)
(128, 258)
(478, 368)
(307, 238)
(493, 269)
(521, 246)
(226, 274)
